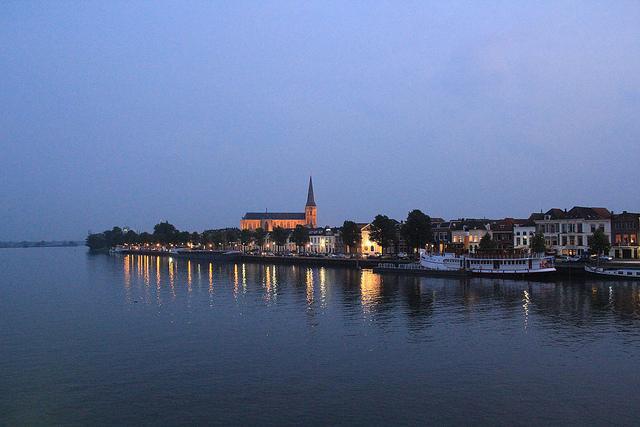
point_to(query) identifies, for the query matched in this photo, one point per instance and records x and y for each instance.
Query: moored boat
(506, 265)
(614, 272)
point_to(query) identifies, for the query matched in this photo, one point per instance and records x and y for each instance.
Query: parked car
(601, 258)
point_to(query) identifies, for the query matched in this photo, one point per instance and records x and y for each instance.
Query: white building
(568, 232)
(324, 240)
(522, 235)
(468, 233)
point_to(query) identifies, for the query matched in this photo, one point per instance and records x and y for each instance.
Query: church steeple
(310, 210)
(310, 199)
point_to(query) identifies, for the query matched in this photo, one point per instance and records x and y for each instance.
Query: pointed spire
(310, 199)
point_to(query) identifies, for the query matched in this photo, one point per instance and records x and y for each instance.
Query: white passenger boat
(614, 272)
(488, 264)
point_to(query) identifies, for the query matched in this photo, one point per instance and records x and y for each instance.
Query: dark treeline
(164, 234)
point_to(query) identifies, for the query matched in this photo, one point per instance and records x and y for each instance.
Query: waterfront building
(523, 233)
(269, 220)
(501, 232)
(367, 245)
(624, 231)
(467, 233)
(568, 232)
(441, 234)
(325, 240)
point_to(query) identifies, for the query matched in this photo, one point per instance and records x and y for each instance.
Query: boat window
(629, 273)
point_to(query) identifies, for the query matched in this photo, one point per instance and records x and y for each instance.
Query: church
(269, 220)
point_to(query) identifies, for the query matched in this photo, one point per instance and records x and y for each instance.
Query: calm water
(141, 340)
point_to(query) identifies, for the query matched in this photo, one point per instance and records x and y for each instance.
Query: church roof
(310, 199)
(275, 215)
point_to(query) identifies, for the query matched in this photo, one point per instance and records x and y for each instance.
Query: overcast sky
(132, 112)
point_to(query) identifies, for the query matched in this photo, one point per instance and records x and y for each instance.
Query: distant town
(576, 232)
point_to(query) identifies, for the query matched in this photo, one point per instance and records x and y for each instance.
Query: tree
(96, 241)
(164, 233)
(279, 236)
(487, 243)
(537, 243)
(259, 236)
(246, 237)
(599, 243)
(351, 235)
(180, 238)
(417, 229)
(131, 237)
(145, 237)
(383, 231)
(196, 238)
(230, 236)
(300, 236)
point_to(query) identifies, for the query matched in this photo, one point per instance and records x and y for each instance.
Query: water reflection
(562, 305)
(309, 286)
(370, 289)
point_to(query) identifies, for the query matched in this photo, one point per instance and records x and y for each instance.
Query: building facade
(289, 220)
(568, 232)
(467, 233)
(522, 235)
(367, 245)
(325, 241)
(625, 228)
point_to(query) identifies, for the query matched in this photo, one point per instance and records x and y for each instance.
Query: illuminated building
(325, 240)
(625, 228)
(269, 220)
(568, 232)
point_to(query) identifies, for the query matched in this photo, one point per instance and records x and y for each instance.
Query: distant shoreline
(41, 244)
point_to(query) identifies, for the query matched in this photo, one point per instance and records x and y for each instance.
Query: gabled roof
(469, 224)
(589, 213)
(556, 213)
(624, 215)
(275, 215)
(579, 212)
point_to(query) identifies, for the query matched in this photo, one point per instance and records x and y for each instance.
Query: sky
(128, 113)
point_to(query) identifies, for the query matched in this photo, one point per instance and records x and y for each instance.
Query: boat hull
(614, 273)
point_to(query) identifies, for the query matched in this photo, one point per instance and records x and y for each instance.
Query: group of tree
(164, 234)
(351, 236)
(416, 231)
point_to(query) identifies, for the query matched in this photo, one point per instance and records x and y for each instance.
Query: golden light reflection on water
(323, 287)
(172, 271)
(127, 270)
(127, 277)
(147, 277)
(309, 285)
(158, 281)
(235, 280)
(267, 276)
(275, 281)
(244, 279)
(370, 289)
(189, 278)
(526, 300)
(210, 277)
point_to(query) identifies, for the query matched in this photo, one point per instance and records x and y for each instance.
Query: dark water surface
(142, 340)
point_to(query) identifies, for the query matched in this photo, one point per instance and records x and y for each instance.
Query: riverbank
(396, 267)
(269, 259)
